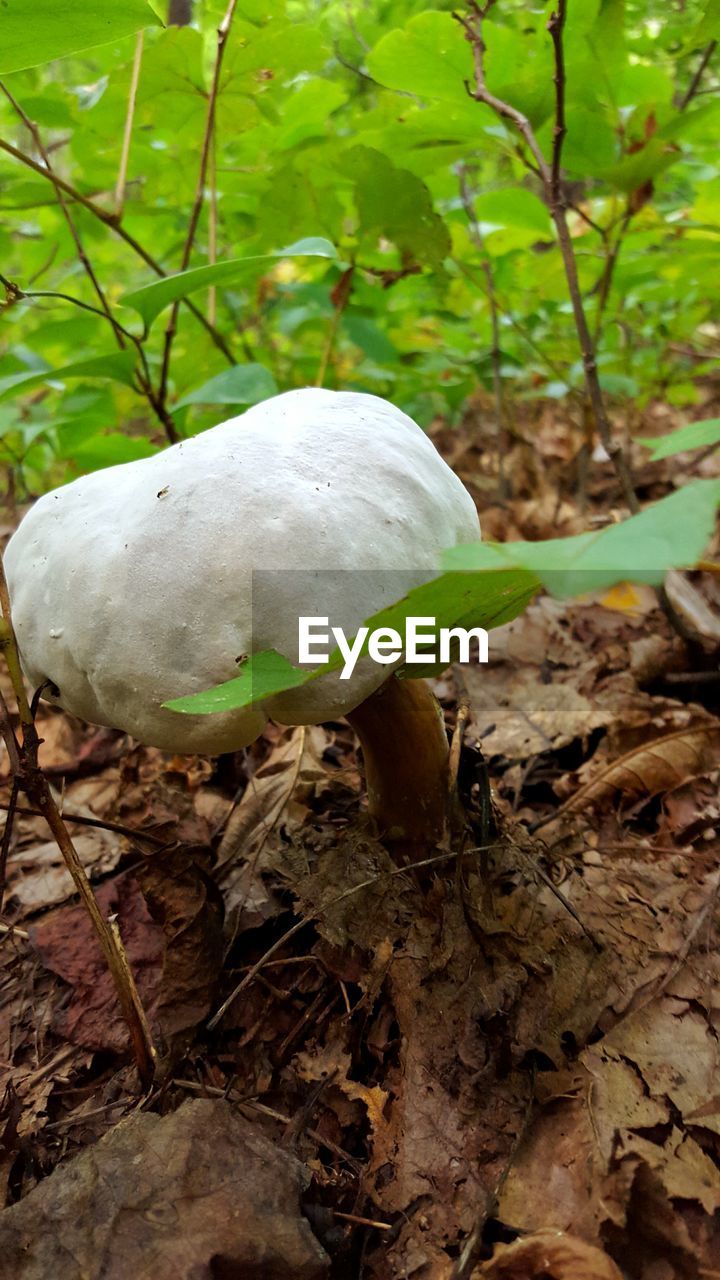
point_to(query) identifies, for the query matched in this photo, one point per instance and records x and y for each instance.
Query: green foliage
(349, 128)
(118, 365)
(153, 298)
(670, 534)
(242, 384)
(694, 436)
(351, 124)
(261, 676)
(34, 31)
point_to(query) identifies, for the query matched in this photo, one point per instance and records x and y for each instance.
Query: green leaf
(262, 675)
(513, 207)
(489, 584)
(670, 534)
(642, 166)
(35, 31)
(243, 384)
(117, 365)
(429, 57)
(453, 598)
(153, 298)
(110, 450)
(693, 436)
(707, 29)
(396, 204)
(459, 600)
(371, 339)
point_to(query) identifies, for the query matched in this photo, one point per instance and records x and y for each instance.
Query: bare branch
(480, 92)
(699, 73)
(602, 287)
(503, 435)
(222, 35)
(212, 230)
(339, 296)
(556, 27)
(554, 198)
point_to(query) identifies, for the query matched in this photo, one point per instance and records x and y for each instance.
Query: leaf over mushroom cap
(143, 582)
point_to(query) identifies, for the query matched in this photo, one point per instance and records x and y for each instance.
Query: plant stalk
(29, 777)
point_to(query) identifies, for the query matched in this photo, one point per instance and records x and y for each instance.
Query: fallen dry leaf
(185, 901)
(333, 1063)
(194, 1195)
(654, 767)
(276, 794)
(611, 1132)
(66, 944)
(38, 877)
(552, 1255)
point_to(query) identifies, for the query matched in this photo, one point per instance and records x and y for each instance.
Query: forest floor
(508, 1071)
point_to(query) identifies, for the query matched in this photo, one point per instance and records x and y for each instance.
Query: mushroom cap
(147, 581)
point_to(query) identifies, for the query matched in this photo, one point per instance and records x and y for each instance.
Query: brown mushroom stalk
(406, 755)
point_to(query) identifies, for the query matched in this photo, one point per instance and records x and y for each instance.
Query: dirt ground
(505, 1066)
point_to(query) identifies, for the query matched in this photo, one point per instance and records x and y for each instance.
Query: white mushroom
(147, 581)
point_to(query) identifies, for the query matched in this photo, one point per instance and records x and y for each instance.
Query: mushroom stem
(405, 749)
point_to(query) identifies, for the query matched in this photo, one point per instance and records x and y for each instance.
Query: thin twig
(144, 383)
(554, 197)
(238, 1100)
(699, 73)
(13, 750)
(69, 220)
(102, 824)
(212, 229)
(556, 27)
(31, 779)
(602, 288)
(362, 1222)
(12, 931)
(8, 735)
(504, 306)
(222, 35)
(110, 220)
(129, 121)
(7, 838)
(142, 1035)
(463, 715)
(537, 870)
(340, 296)
(503, 434)
(38, 789)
